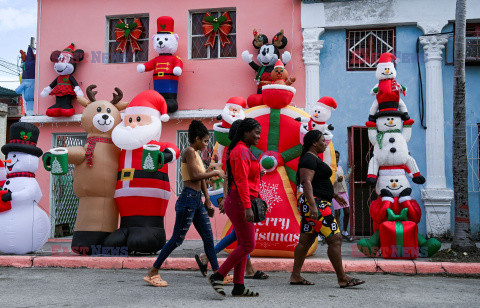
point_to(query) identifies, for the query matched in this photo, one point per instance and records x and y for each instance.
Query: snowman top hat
(23, 138)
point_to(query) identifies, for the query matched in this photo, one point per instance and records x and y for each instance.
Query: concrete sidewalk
(57, 253)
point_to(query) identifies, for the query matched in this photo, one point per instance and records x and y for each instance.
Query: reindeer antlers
(117, 97)
(90, 93)
(277, 39)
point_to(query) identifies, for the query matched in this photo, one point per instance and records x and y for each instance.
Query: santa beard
(228, 117)
(127, 138)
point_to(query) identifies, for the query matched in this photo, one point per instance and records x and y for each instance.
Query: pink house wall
(204, 84)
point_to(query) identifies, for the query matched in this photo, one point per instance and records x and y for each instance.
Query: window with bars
(364, 47)
(117, 56)
(472, 48)
(206, 155)
(198, 50)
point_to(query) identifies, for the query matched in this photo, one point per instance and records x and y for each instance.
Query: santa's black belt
(129, 174)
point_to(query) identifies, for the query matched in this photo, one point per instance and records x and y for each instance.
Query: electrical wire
(421, 102)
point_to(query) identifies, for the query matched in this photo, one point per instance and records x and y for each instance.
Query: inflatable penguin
(24, 226)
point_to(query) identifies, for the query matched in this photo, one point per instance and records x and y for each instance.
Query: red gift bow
(123, 36)
(211, 26)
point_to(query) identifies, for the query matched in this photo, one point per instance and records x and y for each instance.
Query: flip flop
(352, 283)
(303, 282)
(258, 275)
(155, 281)
(201, 266)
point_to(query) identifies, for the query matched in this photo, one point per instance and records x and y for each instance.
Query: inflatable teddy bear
(166, 66)
(279, 75)
(95, 173)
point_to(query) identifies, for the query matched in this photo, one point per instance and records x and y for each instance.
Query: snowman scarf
(381, 134)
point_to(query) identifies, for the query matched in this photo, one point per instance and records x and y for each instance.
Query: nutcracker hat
(328, 101)
(23, 138)
(279, 64)
(165, 24)
(69, 50)
(150, 103)
(237, 100)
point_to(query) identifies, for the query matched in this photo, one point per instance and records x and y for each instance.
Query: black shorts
(326, 224)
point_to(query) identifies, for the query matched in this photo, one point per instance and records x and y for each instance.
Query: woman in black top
(315, 207)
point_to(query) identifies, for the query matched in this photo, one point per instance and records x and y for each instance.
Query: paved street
(56, 287)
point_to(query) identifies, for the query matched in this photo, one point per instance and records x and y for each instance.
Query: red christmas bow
(211, 26)
(128, 33)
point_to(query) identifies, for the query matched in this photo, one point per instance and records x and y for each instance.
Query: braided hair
(308, 140)
(241, 127)
(196, 129)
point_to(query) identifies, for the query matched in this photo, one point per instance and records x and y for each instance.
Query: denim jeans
(189, 208)
(227, 241)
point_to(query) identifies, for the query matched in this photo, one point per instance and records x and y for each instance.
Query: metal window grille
(473, 157)
(198, 39)
(364, 47)
(472, 51)
(361, 194)
(111, 43)
(64, 203)
(206, 155)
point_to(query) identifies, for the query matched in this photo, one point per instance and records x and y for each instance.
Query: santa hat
(237, 100)
(279, 64)
(150, 103)
(386, 58)
(328, 101)
(69, 50)
(165, 24)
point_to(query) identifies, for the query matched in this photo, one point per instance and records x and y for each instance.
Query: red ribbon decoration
(222, 25)
(122, 36)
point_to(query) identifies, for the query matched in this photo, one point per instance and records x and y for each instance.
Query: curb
(409, 267)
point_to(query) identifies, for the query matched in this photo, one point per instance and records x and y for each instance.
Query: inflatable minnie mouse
(64, 87)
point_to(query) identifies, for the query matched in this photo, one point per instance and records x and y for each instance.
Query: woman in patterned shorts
(315, 207)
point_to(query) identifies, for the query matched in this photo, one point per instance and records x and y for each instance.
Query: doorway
(361, 194)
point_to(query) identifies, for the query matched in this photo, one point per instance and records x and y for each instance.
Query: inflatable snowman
(393, 189)
(387, 90)
(25, 227)
(389, 136)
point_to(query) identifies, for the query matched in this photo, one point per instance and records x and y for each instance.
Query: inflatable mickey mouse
(268, 55)
(64, 87)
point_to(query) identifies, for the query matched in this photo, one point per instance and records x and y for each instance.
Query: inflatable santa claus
(142, 195)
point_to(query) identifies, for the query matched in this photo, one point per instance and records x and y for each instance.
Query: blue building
(342, 41)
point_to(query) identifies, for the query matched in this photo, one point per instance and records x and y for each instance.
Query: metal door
(361, 194)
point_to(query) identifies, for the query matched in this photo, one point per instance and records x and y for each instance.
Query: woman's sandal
(246, 293)
(217, 285)
(258, 275)
(352, 283)
(303, 282)
(155, 281)
(201, 266)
